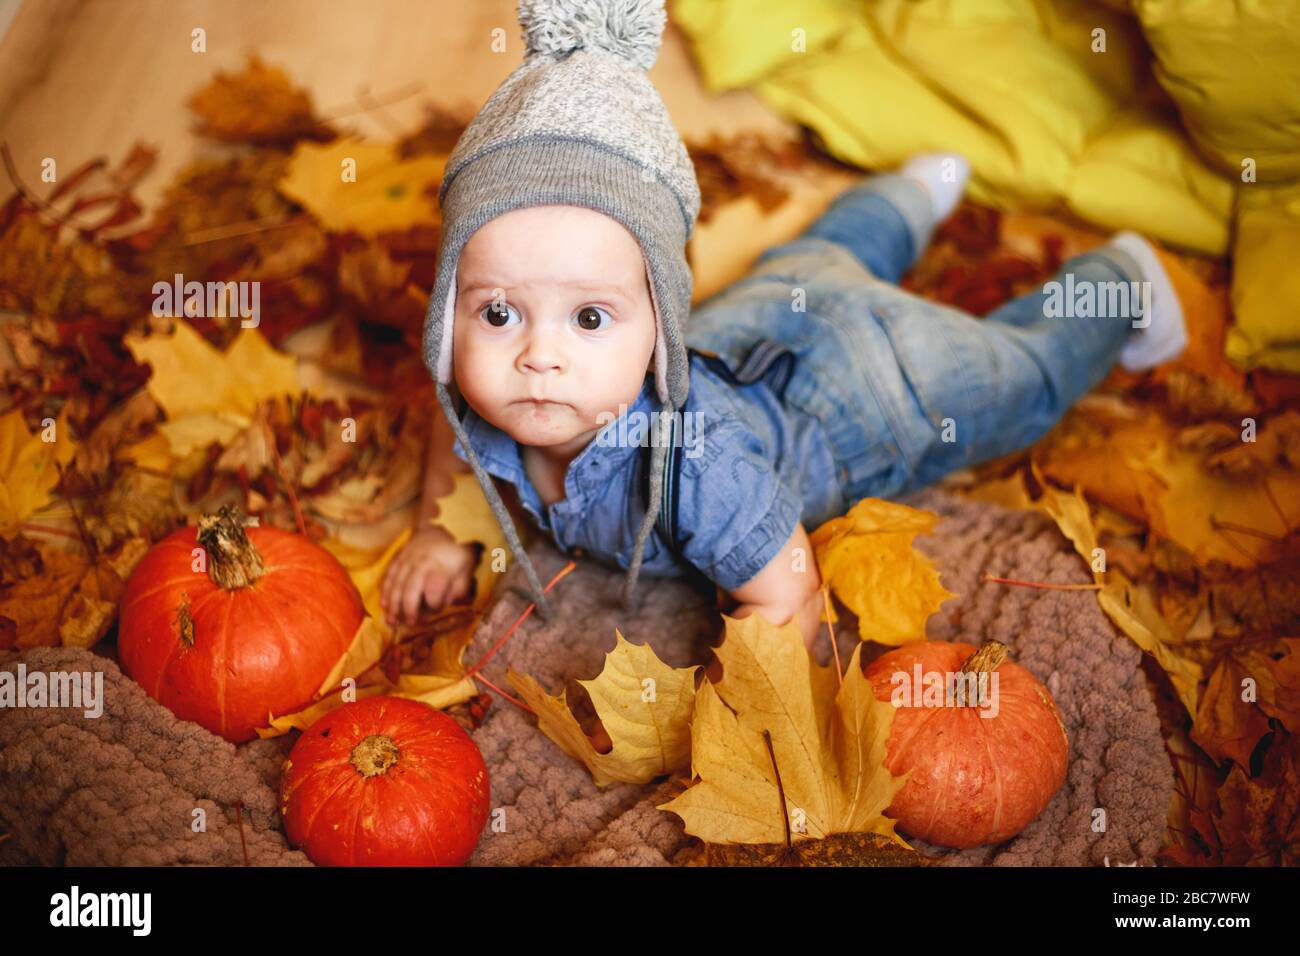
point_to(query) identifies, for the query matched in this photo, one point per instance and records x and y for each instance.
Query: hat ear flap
(661, 342)
(448, 334)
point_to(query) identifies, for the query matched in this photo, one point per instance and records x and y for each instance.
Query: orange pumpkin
(975, 779)
(226, 625)
(385, 781)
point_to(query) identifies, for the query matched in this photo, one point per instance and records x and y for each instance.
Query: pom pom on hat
(629, 29)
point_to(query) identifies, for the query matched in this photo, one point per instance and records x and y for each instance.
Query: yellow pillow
(1233, 67)
(1265, 278)
(737, 43)
(1140, 173)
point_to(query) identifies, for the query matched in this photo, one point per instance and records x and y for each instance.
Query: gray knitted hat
(577, 123)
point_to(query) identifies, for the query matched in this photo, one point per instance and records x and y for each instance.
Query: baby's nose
(541, 354)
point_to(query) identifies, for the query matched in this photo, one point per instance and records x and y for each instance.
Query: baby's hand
(431, 567)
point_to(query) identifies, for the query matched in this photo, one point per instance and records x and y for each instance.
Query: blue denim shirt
(888, 393)
(750, 469)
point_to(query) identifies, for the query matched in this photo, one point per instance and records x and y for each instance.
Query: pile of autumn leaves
(124, 423)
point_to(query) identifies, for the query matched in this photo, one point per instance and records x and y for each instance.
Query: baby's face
(552, 303)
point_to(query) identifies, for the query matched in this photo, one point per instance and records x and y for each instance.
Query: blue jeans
(907, 390)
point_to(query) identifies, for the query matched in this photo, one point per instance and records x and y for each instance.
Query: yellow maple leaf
(643, 704)
(153, 452)
(465, 514)
(1129, 605)
(387, 193)
(1009, 492)
(29, 465)
(206, 394)
(867, 559)
(367, 647)
(829, 744)
(445, 685)
(436, 690)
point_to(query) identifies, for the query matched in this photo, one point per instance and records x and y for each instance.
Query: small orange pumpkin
(253, 634)
(385, 781)
(975, 779)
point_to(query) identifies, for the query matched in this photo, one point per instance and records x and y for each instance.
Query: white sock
(1165, 337)
(943, 175)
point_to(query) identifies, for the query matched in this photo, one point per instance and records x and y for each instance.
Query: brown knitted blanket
(124, 788)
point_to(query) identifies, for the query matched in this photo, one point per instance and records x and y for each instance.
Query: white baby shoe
(1165, 336)
(944, 177)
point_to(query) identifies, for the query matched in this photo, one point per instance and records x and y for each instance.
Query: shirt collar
(590, 469)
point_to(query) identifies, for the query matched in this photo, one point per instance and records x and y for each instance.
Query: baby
(559, 313)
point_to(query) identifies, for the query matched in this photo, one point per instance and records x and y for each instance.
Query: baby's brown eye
(497, 316)
(589, 318)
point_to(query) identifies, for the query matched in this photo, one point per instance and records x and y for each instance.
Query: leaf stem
(519, 620)
(826, 600)
(1042, 584)
(518, 703)
(780, 787)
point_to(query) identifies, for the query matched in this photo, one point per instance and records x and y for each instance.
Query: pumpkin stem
(982, 663)
(233, 562)
(374, 755)
(987, 658)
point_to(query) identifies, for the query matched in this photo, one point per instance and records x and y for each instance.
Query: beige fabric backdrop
(79, 78)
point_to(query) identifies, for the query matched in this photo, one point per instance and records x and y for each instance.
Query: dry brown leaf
(1277, 673)
(139, 504)
(838, 849)
(42, 273)
(35, 604)
(92, 609)
(71, 600)
(381, 286)
(1196, 397)
(1258, 818)
(124, 425)
(1228, 727)
(256, 105)
(1194, 837)
(1137, 467)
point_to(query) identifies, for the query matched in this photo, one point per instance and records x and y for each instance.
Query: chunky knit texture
(121, 789)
